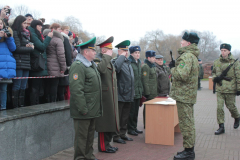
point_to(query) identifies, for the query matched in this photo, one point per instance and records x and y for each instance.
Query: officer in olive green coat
(136, 65)
(229, 88)
(108, 124)
(149, 78)
(184, 91)
(86, 99)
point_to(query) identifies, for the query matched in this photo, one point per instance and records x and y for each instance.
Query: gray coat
(162, 80)
(125, 79)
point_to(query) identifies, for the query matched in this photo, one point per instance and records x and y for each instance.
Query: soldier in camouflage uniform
(149, 78)
(229, 88)
(184, 91)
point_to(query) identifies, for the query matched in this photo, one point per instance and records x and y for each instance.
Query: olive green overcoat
(85, 89)
(109, 122)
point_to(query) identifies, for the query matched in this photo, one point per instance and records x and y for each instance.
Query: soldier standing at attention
(86, 100)
(230, 86)
(108, 124)
(184, 91)
(125, 84)
(136, 65)
(149, 78)
(163, 82)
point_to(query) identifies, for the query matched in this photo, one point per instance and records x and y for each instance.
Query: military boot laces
(236, 123)
(220, 129)
(187, 154)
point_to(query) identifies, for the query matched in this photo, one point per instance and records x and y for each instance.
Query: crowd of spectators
(29, 51)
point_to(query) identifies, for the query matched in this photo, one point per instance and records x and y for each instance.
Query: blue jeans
(20, 83)
(3, 95)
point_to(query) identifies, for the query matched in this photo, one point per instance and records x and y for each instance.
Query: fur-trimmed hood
(55, 34)
(11, 31)
(64, 34)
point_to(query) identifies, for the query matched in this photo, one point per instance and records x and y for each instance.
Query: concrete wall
(38, 135)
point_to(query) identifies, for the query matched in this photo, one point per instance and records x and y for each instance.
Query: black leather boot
(220, 129)
(53, 98)
(236, 123)
(21, 98)
(15, 98)
(182, 151)
(187, 154)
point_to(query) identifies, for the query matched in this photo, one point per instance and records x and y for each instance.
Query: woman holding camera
(7, 62)
(40, 45)
(22, 56)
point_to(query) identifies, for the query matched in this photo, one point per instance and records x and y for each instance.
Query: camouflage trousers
(186, 123)
(229, 99)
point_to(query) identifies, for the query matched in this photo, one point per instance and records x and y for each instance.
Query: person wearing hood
(64, 81)
(40, 45)
(7, 63)
(184, 91)
(85, 100)
(134, 58)
(56, 61)
(229, 88)
(149, 78)
(163, 82)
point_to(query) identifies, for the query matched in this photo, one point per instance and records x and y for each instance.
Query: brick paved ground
(208, 146)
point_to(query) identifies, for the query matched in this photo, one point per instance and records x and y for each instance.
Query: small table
(210, 83)
(161, 122)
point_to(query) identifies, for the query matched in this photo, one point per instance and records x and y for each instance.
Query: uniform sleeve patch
(75, 76)
(145, 73)
(181, 65)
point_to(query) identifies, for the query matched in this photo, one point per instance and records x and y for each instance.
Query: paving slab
(208, 146)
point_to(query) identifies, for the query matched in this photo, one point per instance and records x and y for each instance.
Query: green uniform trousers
(186, 123)
(133, 116)
(123, 110)
(229, 99)
(84, 137)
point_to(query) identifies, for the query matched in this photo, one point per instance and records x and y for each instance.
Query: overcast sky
(131, 19)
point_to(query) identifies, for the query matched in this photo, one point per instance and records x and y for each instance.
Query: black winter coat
(125, 79)
(64, 81)
(22, 53)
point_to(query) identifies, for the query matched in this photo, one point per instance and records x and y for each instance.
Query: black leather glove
(172, 64)
(238, 93)
(217, 79)
(147, 96)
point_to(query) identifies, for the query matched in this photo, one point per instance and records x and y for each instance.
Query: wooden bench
(161, 122)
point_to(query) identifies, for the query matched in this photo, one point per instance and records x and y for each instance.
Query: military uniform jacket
(125, 79)
(85, 89)
(185, 75)
(219, 66)
(163, 82)
(201, 73)
(109, 122)
(149, 79)
(137, 77)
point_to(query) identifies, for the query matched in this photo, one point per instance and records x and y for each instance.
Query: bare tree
(23, 10)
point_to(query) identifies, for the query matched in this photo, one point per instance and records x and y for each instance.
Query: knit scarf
(26, 33)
